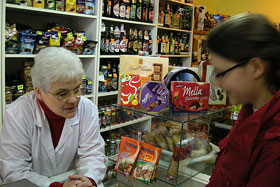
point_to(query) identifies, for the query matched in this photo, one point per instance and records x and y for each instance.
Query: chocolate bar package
(153, 96)
(189, 96)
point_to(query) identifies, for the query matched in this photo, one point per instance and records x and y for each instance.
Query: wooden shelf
(181, 3)
(33, 55)
(200, 32)
(103, 94)
(112, 127)
(127, 21)
(175, 56)
(172, 29)
(47, 11)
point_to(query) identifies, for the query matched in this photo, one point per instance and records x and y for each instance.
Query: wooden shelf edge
(112, 127)
(172, 29)
(200, 32)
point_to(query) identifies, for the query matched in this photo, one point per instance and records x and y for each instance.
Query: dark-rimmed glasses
(218, 75)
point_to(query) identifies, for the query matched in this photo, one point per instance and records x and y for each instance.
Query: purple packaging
(153, 96)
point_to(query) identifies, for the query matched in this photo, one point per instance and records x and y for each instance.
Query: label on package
(189, 96)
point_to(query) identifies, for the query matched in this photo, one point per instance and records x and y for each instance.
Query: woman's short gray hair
(53, 64)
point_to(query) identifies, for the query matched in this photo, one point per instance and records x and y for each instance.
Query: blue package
(90, 7)
(27, 39)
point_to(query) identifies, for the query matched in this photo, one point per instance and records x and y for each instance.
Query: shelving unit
(37, 18)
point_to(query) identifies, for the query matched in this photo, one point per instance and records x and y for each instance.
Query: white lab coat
(26, 148)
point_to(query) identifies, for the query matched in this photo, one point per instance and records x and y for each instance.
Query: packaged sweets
(89, 47)
(27, 39)
(146, 163)
(39, 3)
(59, 5)
(50, 4)
(81, 6)
(153, 96)
(89, 7)
(55, 38)
(129, 150)
(42, 41)
(185, 152)
(189, 96)
(70, 6)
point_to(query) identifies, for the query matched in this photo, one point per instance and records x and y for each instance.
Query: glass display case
(184, 139)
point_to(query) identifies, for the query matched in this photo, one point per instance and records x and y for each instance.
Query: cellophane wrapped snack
(179, 154)
(129, 150)
(146, 164)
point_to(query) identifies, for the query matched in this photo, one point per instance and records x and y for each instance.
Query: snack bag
(146, 163)
(129, 150)
(185, 152)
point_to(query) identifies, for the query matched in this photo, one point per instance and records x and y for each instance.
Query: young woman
(245, 53)
(53, 129)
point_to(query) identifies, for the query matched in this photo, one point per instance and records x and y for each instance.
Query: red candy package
(189, 96)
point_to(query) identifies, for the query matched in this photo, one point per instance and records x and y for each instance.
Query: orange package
(146, 163)
(129, 150)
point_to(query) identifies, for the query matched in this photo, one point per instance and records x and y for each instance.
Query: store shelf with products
(39, 19)
(190, 130)
(19, 8)
(174, 29)
(180, 3)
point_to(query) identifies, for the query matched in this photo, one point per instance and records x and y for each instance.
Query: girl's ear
(257, 67)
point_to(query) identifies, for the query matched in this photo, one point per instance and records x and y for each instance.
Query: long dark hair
(245, 36)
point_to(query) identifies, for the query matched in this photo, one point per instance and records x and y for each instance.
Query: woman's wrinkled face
(62, 97)
(238, 82)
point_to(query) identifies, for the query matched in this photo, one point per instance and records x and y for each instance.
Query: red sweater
(56, 123)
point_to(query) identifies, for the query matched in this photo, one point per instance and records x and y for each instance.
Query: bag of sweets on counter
(146, 163)
(129, 150)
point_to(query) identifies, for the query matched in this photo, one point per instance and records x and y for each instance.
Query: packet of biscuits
(129, 150)
(146, 163)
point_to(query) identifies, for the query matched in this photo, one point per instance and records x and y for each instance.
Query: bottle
(135, 42)
(133, 10)
(122, 9)
(167, 49)
(130, 41)
(167, 17)
(176, 19)
(161, 17)
(127, 9)
(158, 45)
(145, 11)
(109, 8)
(139, 11)
(151, 12)
(150, 43)
(116, 9)
(112, 40)
(107, 41)
(109, 77)
(103, 8)
(140, 40)
(123, 43)
(146, 41)
(102, 42)
(163, 45)
(172, 43)
(117, 36)
(114, 82)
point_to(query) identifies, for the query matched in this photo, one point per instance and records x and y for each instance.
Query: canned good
(112, 147)
(118, 142)
(8, 95)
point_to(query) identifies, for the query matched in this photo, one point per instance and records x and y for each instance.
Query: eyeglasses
(64, 96)
(219, 75)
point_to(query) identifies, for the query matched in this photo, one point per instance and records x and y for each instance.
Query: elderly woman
(53, 129)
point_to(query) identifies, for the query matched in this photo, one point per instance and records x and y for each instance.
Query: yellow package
(39, 3)
(70, 6)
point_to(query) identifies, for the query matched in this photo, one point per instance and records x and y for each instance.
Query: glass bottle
(117, 36)
(127, 9)
(122, 9)
(112, 41)
(109, 8)
(139, 11)
(167, 17)
(123, 43)
(151, 12)
(133, 10)
(116, 9)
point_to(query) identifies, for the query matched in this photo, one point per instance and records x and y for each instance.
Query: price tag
(101, 78)
(84, 77)
(20, 87)
(89, 82)
(148, 157)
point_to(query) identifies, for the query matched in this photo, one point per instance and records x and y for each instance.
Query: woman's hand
(72, 183)
(84, 181)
